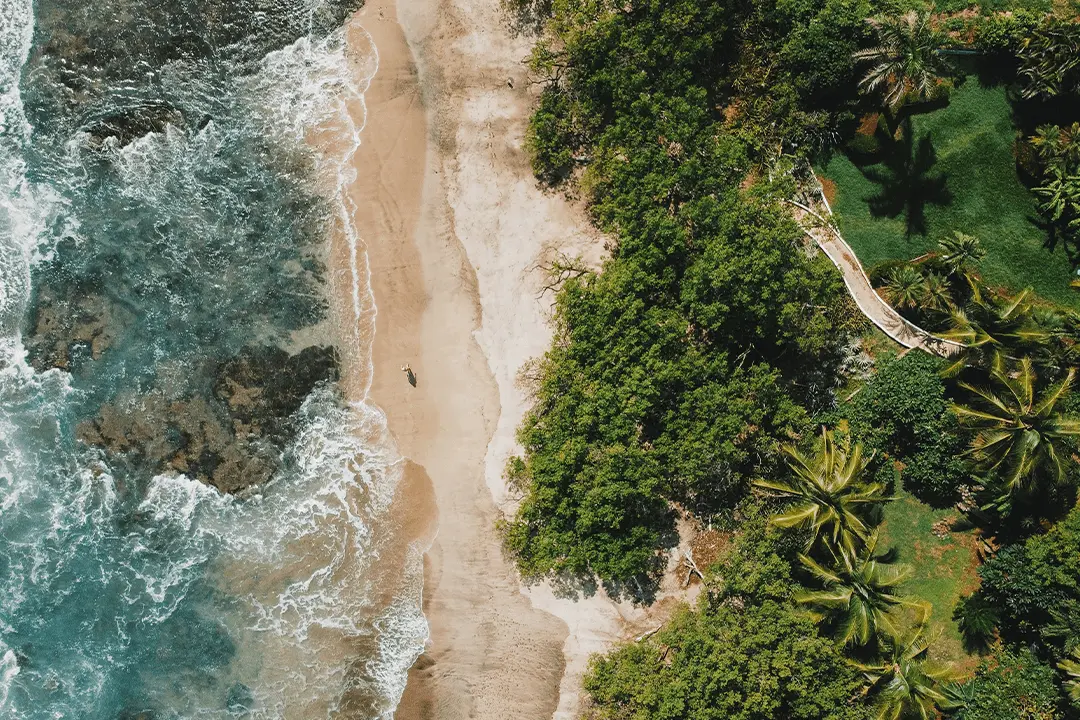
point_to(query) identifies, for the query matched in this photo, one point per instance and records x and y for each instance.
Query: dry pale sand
(456, 230)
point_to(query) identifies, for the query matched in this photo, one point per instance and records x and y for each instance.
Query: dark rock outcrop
(72, 327)
(231, 439)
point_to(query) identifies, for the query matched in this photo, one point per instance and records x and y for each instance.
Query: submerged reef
(225, 421)
(67, 330)
(232, 437)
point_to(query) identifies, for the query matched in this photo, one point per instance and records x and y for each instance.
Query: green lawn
(945, 569)
(954, 171)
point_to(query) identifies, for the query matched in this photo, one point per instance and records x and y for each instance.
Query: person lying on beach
(407, 369)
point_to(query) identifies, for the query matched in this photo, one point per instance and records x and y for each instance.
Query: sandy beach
(456, 229)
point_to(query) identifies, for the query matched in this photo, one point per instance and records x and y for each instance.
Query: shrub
(864, 146)
(1012, 685)
(977, 619)
(1000, 33)
(549, 139)
(1036, 585)
(902, 413)
(935, 473)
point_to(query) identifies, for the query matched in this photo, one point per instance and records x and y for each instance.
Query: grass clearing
(945, 568)
(954, 170)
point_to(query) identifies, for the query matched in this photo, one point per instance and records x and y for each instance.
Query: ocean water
(170, 177)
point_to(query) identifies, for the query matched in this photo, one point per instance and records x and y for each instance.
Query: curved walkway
(826, 236)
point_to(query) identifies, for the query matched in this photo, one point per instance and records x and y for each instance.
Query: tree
(1011, 684)
(905, 288)
(677, 368)
(905, 683)
(859, 594)
(977, 620)
(830, 499)
(905, 63)
(959, 252)
(1050, 58)
(1060, 195)
(989, 323)
(1035, 587)
(902, 413)
(1020, 434)
(1057, 146)
(1071, 667)
(936, 294)
(747, 652)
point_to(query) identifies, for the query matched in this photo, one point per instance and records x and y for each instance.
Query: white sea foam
(315, 612)
(16, 33)
(321, 90)
(9, 668)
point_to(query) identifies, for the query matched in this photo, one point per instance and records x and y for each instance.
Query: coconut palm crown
(959, 251)
(988, 324)
(1071, 668)
(859, 594)
(1021, 432)
(830, 499)
(905, 63)
(906, 684)
(905, 287)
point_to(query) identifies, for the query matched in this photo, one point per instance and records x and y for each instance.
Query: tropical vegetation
(714, 373)
(905, 65)
(1020, 436)
(831, 500)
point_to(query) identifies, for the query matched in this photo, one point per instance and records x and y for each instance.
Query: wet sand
(456, 229)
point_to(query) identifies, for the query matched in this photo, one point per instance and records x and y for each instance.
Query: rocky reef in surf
(187, 255)
(194, 400)
(66, 331)
(231, 437)
(91, 54)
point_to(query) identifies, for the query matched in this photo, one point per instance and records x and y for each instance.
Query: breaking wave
(173, 191)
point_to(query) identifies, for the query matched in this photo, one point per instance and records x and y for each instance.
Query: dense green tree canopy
(902, 413)
(1036, 585)
(652, 395)
(762, 662)
(1011, 685)
(677, 370)
(746, 654)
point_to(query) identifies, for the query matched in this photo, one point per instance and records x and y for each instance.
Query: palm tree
(1061, 196)
(936, 294)
(906, 684)
(988, 324)
(905, 63)
(830, 498)
(1071, 668)
(959, 252)
(904, 288)
(1020, 433)
(1057, 146)
(1050, 58)
(859, 594)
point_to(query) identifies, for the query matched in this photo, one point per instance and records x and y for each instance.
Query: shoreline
(455, 230)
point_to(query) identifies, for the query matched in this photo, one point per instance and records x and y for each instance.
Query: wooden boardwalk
(827, 237)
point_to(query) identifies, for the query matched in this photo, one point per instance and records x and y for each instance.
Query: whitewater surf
(196, 516)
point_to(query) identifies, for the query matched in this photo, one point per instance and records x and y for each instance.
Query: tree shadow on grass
(904, 169)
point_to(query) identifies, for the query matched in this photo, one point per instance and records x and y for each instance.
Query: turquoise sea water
(163, 220)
